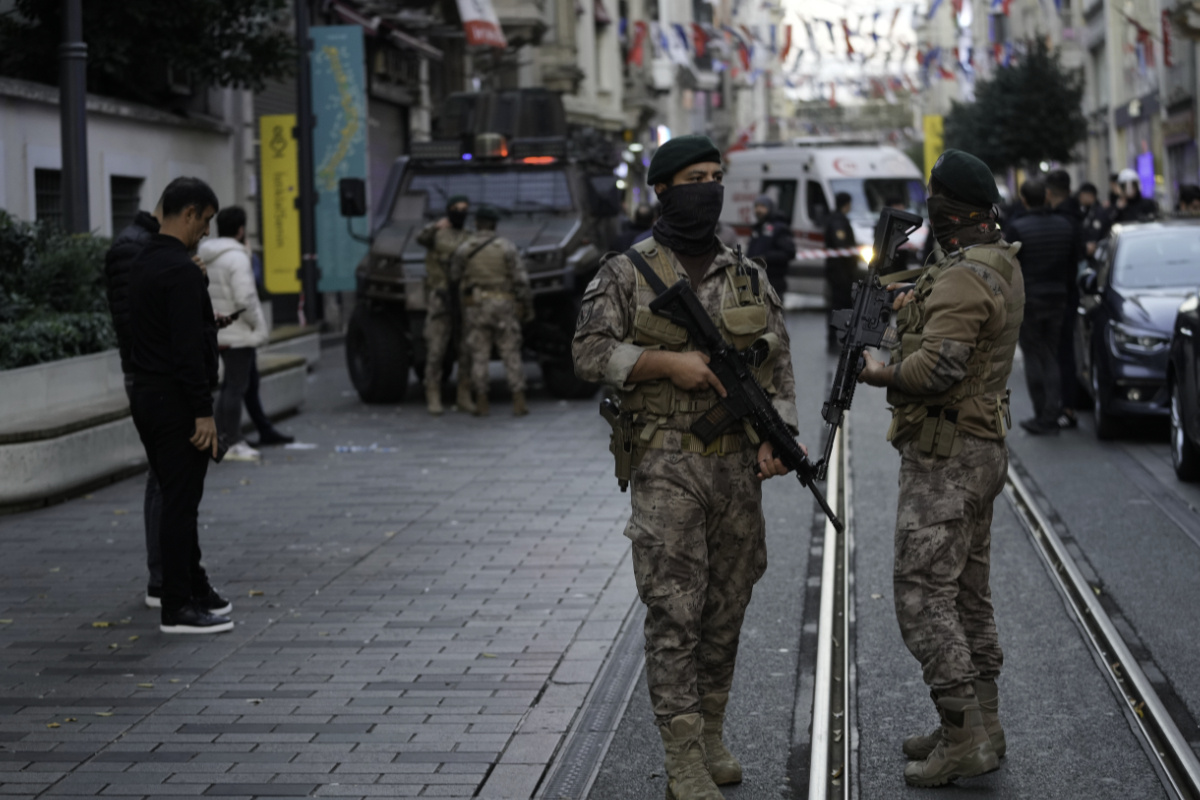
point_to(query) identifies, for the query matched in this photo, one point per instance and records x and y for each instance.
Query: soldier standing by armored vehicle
(955, 338)
(441, 239)
(496, 299)
(697, 524)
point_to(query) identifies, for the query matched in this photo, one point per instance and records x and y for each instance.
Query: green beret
(487, 212)
(456, 199)
(966, 177)
(680, 152)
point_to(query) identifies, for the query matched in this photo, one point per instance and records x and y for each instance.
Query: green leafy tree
(1028, 113)
(138, 48)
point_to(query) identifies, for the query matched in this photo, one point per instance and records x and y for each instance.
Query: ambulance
(804, 175)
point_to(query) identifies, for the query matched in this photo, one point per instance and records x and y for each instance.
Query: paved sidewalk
(421, 619)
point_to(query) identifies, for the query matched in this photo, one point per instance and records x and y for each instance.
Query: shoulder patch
(593, 286)
(841, 234)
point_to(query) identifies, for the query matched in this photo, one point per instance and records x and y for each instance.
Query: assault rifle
(865, 322)
(745, 399)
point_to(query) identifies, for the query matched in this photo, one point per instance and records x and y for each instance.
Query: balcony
(523, 21)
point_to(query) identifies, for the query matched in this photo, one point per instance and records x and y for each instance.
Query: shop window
(47, 193)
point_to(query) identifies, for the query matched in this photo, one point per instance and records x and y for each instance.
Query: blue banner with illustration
(339, 101)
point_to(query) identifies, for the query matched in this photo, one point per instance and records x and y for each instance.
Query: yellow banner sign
(933, 141)
(279, 188)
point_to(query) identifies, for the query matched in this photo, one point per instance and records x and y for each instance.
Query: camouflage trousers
(943, 559)
(493, 321)
(439, 326)
(699, 546)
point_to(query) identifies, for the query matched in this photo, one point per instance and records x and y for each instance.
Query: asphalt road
(1069, 734)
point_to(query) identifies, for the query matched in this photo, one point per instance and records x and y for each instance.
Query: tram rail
(833, 754)
(1178, 765)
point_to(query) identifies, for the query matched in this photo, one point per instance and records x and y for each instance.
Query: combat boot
(919, 747)
(989, 707)
(722, 765)
(687, 776)
(464, 402)
(433, 400)
(481, 404)
(520, 408)
(964, 750)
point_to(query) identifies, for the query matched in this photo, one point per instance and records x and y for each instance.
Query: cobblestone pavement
(419, 618)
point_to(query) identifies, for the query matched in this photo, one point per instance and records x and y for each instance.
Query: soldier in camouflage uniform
(441, 239)
(496, 299)
(697, 525)
(955, 338)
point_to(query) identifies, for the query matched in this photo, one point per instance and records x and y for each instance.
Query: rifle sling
(647, 271)
(475, 252)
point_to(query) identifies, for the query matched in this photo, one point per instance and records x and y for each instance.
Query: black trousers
(165, 422)
(254, 403)
(239, 362)
(839, 275)
(1041, 333)
(151, 513)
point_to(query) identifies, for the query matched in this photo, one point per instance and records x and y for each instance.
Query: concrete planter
(65, 425)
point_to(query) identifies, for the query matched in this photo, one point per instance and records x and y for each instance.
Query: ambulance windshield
(869, 196)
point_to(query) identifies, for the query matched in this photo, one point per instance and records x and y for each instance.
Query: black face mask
(690, 212)
(457, 218)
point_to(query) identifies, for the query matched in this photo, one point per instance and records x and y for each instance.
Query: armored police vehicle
(558, 201)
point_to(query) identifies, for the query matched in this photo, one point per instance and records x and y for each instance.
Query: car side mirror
(352, 197)
(1088, 282)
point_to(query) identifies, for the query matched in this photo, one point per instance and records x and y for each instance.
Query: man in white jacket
(231, 288)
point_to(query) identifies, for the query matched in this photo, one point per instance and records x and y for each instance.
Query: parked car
(1183, 389)
(1126, 315)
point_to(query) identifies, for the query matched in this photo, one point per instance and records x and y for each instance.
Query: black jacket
(1140, 210)
(771, 240)
(1049, 245)
(173, 333)
(125, 247)
(839, 234)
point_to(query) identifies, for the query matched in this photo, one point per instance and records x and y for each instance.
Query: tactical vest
(934, 419)
(488, 268)
(658, 405)
(437, 258)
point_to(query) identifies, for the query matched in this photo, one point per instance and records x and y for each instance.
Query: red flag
(742, 141)
(832, 94)
(945, 73)
(846, 31)
(700, 38)
(787, 42)
(637, 49)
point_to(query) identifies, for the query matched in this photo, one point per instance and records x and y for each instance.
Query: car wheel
(378, 355)
(562, 382)
(1107, 426)
(1184, 455)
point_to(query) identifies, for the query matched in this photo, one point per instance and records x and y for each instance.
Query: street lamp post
(72, 87)
(309, 270)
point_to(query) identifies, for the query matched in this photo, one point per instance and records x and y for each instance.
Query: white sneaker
(242, 452)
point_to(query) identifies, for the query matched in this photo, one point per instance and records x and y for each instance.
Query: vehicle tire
(378, 355)
(1107, 426)
(562, 382)
(1184, 455)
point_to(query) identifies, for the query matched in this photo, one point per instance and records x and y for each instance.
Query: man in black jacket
(124, 249)
(1049, 245)
(771, 240)
(1060, 201)
(173, 357)
(839, 270)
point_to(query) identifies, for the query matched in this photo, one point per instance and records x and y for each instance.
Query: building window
(126, 196)
(47, 195)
